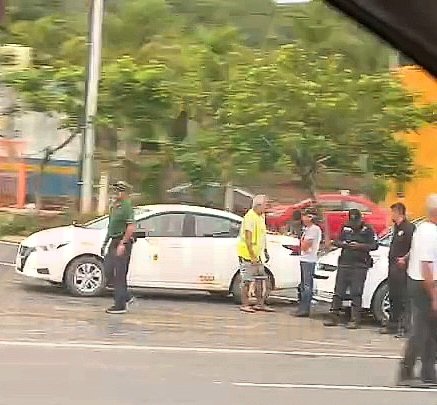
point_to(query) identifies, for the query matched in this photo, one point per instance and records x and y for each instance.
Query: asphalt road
(174, 348)
(128, 376)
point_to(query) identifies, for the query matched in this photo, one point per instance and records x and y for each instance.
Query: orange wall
(424, 143)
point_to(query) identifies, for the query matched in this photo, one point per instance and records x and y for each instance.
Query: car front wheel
(85, 277)
(236, 287)
(381, 304)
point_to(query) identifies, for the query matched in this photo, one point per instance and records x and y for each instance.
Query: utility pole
(94, 64)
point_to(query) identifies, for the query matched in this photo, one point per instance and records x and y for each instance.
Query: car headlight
(50, 247)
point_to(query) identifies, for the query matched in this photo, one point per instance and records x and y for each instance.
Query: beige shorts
(251, 272)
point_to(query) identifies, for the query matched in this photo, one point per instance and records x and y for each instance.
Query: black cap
(121, 186)
(355, 215)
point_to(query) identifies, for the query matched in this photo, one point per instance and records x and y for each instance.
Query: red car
(335, 209)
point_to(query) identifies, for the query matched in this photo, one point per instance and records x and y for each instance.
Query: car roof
(148, 210)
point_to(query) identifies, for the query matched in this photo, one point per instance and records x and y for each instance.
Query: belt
(243, 260)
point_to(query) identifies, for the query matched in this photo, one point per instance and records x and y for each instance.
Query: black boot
(356, 319)
(333, 319)
(406, 376)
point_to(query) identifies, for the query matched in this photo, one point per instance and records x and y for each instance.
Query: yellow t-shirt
(256, 224)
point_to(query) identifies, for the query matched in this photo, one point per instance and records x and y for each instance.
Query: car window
(212, 226)
(331, 205)
(349, 205)
(163, 226)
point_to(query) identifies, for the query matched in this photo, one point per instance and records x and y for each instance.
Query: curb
(12, 240)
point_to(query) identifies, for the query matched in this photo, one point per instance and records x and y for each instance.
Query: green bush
(24, 225)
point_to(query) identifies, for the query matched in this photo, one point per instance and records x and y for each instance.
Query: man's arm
(130, 228)
(306, 244)
(308, 241)
(341, 242)
(403, 261)
(426, 258)
(428, 282)
(248, 240)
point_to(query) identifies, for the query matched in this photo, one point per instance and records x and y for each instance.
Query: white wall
(39, 131)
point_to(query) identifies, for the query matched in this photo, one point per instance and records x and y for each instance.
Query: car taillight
(293, 248)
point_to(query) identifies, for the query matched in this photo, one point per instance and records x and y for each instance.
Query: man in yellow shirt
(252, 254)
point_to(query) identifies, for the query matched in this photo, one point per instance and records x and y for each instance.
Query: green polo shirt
(121, 215)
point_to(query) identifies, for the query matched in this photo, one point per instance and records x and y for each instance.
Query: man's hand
(402, 263)
(254, 259)
(434, 301)
(121, 249)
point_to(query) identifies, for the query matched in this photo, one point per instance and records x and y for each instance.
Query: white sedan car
(375, 295)
(177, 247)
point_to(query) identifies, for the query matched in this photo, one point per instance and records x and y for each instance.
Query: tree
(318, 28)
(321, 115)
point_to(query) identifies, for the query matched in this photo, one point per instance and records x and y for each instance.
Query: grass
(26, 224)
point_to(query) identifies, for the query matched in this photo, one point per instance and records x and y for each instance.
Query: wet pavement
(64, 376)
(36, 310)
(184, 348)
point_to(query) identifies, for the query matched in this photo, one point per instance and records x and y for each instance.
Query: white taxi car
(375, 294)
(177, 247)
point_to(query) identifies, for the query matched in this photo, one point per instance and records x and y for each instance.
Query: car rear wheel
(85, 277)
(236, 287)
(381, 304)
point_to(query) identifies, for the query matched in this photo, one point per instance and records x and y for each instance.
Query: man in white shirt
(309, 246)
(422, 272)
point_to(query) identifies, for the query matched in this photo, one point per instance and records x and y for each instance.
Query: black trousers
(398, 294)
(116, 269)
(422, 341)
(352, 278)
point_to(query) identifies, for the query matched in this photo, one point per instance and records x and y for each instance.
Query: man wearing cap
(309, 246)
(357, 240)
(252, 253)
(120, 237)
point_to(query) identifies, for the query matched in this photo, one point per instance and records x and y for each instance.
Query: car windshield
(103, 222)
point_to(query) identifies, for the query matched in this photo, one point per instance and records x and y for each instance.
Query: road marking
(181, 349)
(333, 387)
(7, 264)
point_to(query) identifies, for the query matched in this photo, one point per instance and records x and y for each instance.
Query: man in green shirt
(120, 233)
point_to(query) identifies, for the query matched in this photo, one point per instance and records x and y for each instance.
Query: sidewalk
(15, 239)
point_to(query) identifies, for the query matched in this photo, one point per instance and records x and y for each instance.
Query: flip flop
(249, 310)
(263, 309)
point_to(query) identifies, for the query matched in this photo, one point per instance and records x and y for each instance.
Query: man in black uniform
(397, 270)
(357, 239)
(120, 233)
